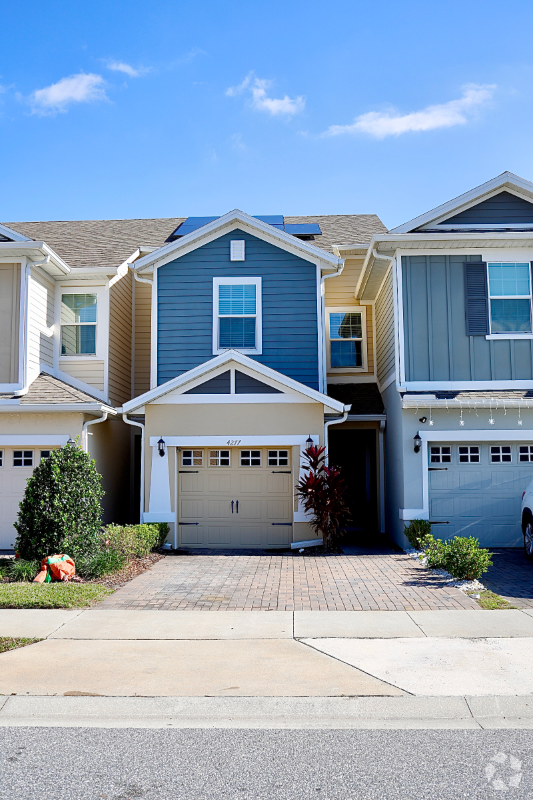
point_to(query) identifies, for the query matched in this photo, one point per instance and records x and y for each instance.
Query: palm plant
(322, 491)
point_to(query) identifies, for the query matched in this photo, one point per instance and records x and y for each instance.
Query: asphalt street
(123, 764)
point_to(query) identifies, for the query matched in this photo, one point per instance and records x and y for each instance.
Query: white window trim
(364, 352)
(102, 322)
(217, 282)
(510, 334)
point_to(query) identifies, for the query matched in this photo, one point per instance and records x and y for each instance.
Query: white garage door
(235, 497)
(16, 466)
(477, 490)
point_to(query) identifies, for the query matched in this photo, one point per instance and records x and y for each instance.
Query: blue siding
(503, 208)
(437, 347)
(289, 303)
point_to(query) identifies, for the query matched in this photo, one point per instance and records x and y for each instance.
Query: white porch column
(159, 508)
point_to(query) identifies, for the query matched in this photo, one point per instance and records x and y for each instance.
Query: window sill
(509, 336)
(80, 355)
(238, 350)
(347, 369)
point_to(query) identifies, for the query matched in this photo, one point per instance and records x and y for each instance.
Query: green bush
(61, 510)
(465, 559)
(417, 531)
(164, 530)
(102, 563)
(435, 551)
(21, 570)
(132, 541)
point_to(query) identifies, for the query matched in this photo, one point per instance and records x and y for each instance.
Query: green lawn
(51, 595)
(10, 643)
(490, 601)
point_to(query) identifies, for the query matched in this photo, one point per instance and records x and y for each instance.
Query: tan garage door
(16, 466)
(235, 497)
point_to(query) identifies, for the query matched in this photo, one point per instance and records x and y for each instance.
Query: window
(250, 458)
(23, 458)
(510, 298)
(237, 314)
(440, 455)
(237, 250)
(278, 458)
(219, 458)
(45, 454)
(500, 454)
(346, 336)
(469, 454)
(78, 324)
(525, 452)
(192, 458)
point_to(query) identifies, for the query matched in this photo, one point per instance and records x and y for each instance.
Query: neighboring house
(452, 292)
(224, 344)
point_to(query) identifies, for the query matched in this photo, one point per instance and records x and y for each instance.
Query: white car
(527, 520)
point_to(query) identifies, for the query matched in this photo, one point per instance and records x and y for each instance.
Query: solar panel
(273, 219)
(276, 220)
(303, 229)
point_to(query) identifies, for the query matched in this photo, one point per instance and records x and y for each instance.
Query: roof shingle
(47, 390)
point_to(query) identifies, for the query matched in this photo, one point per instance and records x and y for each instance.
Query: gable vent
(237, 250)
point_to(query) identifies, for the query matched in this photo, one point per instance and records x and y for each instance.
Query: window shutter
(476, 298)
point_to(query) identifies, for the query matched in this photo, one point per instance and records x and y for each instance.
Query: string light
(430, 415)
(491, 418)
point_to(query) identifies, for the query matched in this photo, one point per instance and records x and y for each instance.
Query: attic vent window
(237, 250)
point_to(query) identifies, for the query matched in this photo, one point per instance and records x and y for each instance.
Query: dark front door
(354, 451)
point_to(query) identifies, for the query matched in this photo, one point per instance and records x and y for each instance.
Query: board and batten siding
(437, 347)
(88, 370)
(142, 339)
(120, 333)
(289, 307)
(384, 308)
(41, 319)
(339, 292)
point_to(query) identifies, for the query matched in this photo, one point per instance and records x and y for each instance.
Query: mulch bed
(136, 567)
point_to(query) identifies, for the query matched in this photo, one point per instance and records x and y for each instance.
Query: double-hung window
(78, 324)
(237, 314)
(346, 338)
(510, 297)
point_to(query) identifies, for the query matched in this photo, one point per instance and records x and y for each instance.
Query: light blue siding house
(453, 297)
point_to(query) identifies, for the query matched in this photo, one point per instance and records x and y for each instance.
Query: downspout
(336, 421)
(85, 435)
(141, 426)
(324, 387)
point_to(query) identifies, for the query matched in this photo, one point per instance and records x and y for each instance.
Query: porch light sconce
(71, 442)
(161, 447)
(309, 442)
(417, 442)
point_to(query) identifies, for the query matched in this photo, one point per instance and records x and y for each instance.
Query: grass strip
(51, 595)
(11, 643)
(491, 601)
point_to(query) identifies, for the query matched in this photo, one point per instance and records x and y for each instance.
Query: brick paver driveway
(228, 580)
(511, 576)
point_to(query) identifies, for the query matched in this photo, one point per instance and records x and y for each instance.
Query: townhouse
(197, 357)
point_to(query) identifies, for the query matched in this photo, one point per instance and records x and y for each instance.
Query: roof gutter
(327, 424)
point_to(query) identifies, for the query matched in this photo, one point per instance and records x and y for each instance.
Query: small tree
(61, 509)
(322, 491)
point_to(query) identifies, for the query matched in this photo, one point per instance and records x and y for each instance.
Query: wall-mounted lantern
(309, 442)
(71, 442)
(161, 447)
(417, 443)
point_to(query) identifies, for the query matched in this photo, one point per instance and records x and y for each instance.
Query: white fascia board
(483, 402)
(58, 408)
(36, 251)
(232, 220)
(242, 360)
(11, 234)
(33, 439)
(505, 180)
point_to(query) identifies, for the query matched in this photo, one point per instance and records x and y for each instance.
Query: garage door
(16, 466)
(476, 490)
(235, 497)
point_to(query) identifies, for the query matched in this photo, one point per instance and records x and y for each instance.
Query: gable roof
(109, 243)
(221, 360)
(506, 181)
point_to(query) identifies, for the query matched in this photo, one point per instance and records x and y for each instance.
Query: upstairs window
(346, 337)
(510, 297)
(78, 324)
(237, 314)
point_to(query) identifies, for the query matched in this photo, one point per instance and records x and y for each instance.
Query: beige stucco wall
(110, 446)
(57, 423)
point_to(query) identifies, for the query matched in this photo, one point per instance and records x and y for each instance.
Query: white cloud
(257, 88)
(127, 69)
(380, 124)
(81, 88)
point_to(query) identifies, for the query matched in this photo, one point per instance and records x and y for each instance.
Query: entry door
(235, 497)
(16, 466)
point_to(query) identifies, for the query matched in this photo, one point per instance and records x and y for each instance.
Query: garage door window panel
(219, 458)
(525, 452)
(469, 454)
(192, 458)
(440, 455)
(510, 297)
(23, 458)
(1, 458)
(278, 458)
(501, 454)
(250, 458)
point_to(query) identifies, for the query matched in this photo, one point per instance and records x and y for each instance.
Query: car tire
(527, 527)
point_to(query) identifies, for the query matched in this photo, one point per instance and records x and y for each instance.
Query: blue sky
(136, 109)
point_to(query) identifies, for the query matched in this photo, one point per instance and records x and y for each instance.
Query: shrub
(435, 550)
(21, 570)
(417, 531)
(132, 541)
(465, 559)
(102, 563)
(164, 530)
(61, 510)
